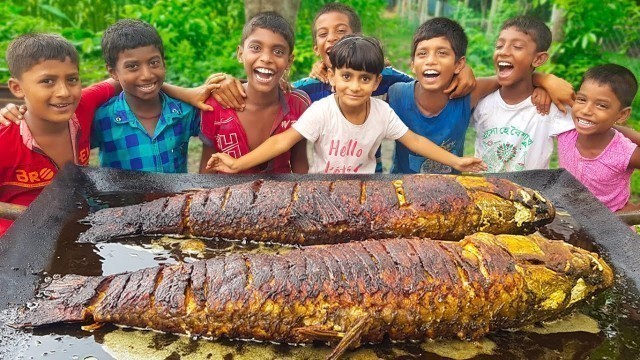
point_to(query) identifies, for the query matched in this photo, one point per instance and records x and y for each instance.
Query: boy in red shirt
(57, 125)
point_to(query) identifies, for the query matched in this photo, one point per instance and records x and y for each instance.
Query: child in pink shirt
(598, 155)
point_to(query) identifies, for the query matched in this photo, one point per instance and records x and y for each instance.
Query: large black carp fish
(406, 289)
(443, 207)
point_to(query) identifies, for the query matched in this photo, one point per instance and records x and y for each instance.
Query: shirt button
(175, 111)
(118, 119)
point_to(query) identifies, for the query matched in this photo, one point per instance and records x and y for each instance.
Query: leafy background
(201, 36)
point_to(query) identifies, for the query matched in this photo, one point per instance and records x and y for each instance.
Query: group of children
(140, 123)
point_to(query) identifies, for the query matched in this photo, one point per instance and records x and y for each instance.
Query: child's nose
(62, 90)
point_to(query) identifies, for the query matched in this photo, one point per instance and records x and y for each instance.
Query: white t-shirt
(340, 147)
(516, 137)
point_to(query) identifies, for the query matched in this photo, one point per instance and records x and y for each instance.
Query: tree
(286, 8)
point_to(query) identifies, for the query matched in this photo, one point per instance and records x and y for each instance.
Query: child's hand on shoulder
(542, 100)
(560, 90)
(462, 84)
(222, 162)
(229, 93)
(470, 164)
(12, 114)
(319, 71)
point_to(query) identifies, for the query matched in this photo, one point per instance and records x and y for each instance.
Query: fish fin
(351, 338)
(92, 327)
(319, 333)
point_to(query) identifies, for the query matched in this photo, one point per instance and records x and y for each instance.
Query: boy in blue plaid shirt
(142, 128)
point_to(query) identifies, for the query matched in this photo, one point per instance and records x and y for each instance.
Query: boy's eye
(278, 52)
(602, 106)
(346, 76)
(131, 66)
(154, 63)
(580, 100)
(442, 52)
(322, 34)
(47, 81)
(365, 79)
(254, 47)
(73, 79)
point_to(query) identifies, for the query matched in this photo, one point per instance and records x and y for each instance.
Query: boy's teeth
(265, 71)
(504, 63)
(146, 87)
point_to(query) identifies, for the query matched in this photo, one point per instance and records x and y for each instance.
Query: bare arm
(299, 162)
(561, 91)
(207, 151)
(634, 162)
(462, 84)
(425, 147)
(272, 147)
(629, 133)
(231, 93)
(484, 87)
(194, 96)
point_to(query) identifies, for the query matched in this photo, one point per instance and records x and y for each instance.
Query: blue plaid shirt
(125, 144)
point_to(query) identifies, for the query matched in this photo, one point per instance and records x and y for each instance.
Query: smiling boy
(142, 128)
(44, 72)
(510, 134)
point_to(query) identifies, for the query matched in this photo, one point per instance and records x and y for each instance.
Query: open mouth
(264, 75)
(585, 123)
(431, 75)
(504, 68)
(148, 87)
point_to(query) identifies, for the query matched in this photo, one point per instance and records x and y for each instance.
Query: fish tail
(68, 299)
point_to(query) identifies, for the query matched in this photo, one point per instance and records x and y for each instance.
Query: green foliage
(200, 36)
(588, 23)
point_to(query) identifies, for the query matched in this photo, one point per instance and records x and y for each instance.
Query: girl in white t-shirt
(347, 128)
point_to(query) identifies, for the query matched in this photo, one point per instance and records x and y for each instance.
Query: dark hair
(354, 19)
(442, 27)
(28, 50)
(359, 53)
(127, 34)
(621, 80)
(270, 20)
(534, 27)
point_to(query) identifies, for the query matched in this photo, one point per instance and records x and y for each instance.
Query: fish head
(557, 274)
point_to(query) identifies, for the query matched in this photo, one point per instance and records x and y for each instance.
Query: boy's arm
(426, 148)
(634, 162)
(207, 151)
(629, 133)
(561, 91)
(461, 84)
(12, 114)
(231, 93)
(272, 147)
(484, 87)
(299, 161)
(196, 96)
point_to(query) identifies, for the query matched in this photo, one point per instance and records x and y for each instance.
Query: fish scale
(445, 207)
(291, 297)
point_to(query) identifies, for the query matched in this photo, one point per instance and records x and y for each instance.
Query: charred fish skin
(443, 207)
(406, 289)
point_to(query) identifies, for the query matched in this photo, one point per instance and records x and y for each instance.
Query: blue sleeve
(391, 76)
(195, 122)
(314, 88)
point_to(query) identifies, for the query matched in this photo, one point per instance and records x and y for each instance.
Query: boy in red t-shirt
(57, 125)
